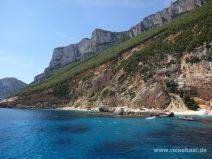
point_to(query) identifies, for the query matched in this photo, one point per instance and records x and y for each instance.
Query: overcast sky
(31, 29)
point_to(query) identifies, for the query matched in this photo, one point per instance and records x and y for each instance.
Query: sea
(62, 134)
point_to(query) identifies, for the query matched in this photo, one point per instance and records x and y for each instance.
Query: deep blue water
(50, 134)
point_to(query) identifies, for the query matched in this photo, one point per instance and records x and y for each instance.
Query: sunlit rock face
(102, 39)
(196, 76)
(159, 18)
(99, 41)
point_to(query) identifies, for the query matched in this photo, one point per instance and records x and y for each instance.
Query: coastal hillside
(168, 67)
(10, 87)
(102, 39)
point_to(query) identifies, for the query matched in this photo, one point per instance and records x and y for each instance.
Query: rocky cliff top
(102, 39)
(176, 8)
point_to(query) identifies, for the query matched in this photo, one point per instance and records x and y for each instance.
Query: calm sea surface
(51, 134)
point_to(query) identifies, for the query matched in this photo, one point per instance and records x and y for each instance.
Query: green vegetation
(78, 67)
(61, 90)
(134, 60)
(106, 92)
(187, 99)
(172, 86)
(180, 36)
(187, 32)
(209, 56)
(193, 60)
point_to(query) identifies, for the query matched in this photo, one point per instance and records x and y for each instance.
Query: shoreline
(201, 112)
(127, 112)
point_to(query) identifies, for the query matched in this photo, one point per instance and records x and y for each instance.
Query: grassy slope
(185, 42)
(187, 32)
(75, 68)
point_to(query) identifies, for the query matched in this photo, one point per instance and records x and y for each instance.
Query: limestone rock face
(154, 96)
(64, 55)
(10, 86)
(102, 39)
(100, 36)
(159, 18)
(196, 75)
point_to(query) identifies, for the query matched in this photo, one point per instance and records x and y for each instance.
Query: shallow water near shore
(57, 134)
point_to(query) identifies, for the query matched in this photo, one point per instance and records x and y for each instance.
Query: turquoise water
(50, 134)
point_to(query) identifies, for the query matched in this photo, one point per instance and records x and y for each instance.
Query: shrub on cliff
(61, 90)
(172, 87)
(107, 91)
(188, 100)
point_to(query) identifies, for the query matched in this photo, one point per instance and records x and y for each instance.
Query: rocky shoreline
(117, 111)
(121, 111)
(125, 111)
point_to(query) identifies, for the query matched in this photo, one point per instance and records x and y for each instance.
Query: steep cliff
(10, 86)
(177, 8)
(163, 68)
(102, 39)
(86, 48)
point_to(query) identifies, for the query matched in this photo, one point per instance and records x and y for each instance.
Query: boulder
(170, 114)
(104, 108)
(120, 111)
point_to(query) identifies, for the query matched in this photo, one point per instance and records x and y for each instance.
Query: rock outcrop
(10, 86)
(102, 39)
(177, 8)
(196, 73)
(154, 96)
(86, 48)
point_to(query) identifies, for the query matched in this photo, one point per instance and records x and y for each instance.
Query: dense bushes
(193, 60)
(209, 56)
(187, 99)
(172, 87)
(131, 63)
(61, 90)
(106, 92)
